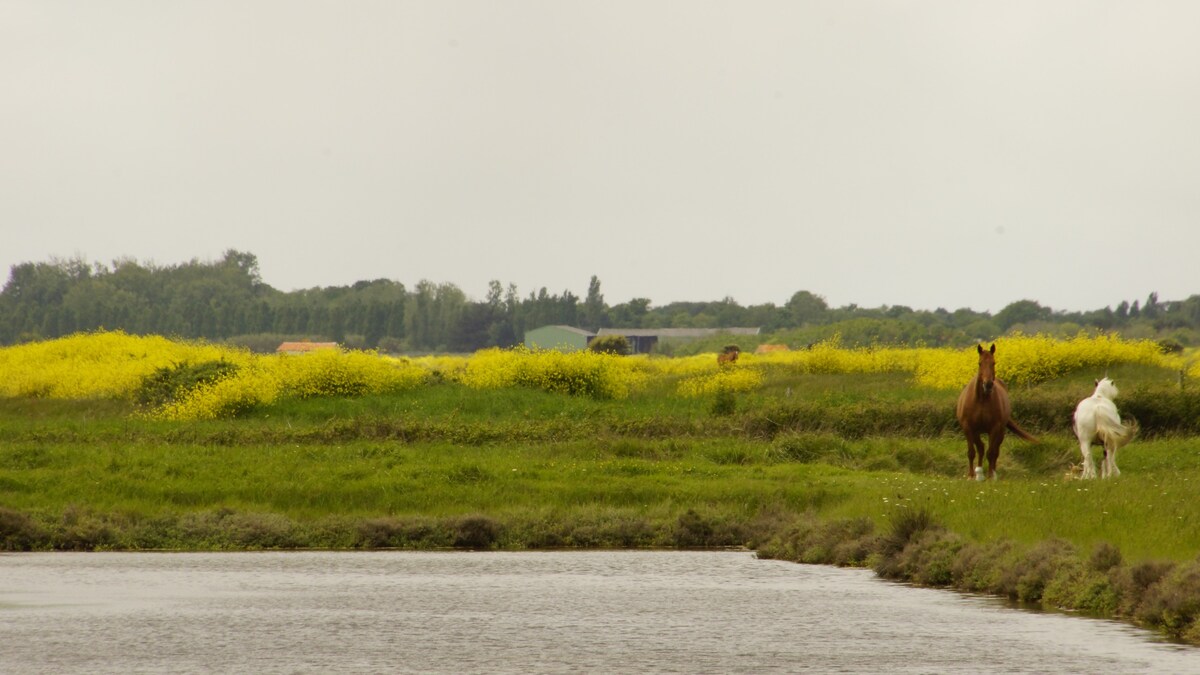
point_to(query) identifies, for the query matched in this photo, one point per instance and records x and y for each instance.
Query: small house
(304, 347)
(767, 349)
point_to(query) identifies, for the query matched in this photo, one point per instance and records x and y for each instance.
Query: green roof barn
(563, 338)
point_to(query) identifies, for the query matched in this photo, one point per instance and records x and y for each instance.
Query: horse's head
(1106, 388)
(987, 368)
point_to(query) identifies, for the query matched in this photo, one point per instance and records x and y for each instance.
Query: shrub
(1170, 346)
(729, 379)
(81, 529)
(169, 383)
(907, 527)
(1038, 567)
(1174, 602)
(582, 373)
(1162, 410)
(1104, 557)
(846, 542)
(693, 530)
(18, 532)
(261, 530)
(615, 345)
(929, 560)
(476, 532)
(403, 533)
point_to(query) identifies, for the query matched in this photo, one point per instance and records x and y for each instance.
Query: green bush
(1173, 603)
(476, 532)
(170, 383)
(610, 344)
(18, 532)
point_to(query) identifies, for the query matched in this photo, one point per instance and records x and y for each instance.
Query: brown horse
(728, 355)
(983, 408)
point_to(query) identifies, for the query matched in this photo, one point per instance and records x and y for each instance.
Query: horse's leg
(1110, 461)
(973, 442)
(995, 438)
(1085, 447)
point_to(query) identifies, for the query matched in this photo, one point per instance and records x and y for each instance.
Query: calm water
(680, 612)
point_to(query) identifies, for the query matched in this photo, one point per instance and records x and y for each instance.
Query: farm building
(767, 349)
(303, 347)
(562, 338)
(641, 340)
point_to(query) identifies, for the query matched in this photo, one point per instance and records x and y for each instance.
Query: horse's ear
(979, 348)
(1097, 383)
(993, 349)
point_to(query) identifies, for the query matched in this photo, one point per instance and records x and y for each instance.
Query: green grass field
(524, 458)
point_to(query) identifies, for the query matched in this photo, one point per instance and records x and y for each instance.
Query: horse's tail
(1012, 426)
(1113, 430)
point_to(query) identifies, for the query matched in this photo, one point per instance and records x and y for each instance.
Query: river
(537, 612)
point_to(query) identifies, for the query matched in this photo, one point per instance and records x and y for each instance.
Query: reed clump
(1052, 574)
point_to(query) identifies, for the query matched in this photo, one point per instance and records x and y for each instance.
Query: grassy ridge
(1147, 513)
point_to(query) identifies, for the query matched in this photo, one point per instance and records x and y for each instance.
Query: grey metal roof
(677, 332)
(569, 329)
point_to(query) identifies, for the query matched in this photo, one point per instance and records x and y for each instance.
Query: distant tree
(1101, 318)
(728, 313)
(593, 317)
(631, 314)
(804, 308)
(1150, 309)
(1021, 311)
(767, 316)
(1191, 310)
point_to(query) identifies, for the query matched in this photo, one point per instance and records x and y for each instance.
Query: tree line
(226, 300)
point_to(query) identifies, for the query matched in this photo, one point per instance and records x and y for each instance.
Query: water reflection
(613, 611)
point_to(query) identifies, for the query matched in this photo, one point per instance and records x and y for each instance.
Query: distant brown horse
(728, 355)
(983, 408)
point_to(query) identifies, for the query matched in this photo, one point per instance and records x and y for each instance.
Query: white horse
(1096, 418)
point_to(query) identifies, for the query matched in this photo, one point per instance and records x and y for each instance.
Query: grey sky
(931, 154)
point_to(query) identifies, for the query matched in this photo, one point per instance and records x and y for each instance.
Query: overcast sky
(930, 154)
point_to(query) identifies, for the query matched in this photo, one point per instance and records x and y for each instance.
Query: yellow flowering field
(1031, 359)
(98, 365)
(830, 357)
(735, 379)
(115, 365)
(269, 378)
(581, 372)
